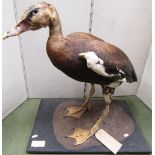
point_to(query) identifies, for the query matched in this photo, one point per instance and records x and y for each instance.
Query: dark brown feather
(64, 54)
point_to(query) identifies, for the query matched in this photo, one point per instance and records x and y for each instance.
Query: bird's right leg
(77, 112)
(81, 135)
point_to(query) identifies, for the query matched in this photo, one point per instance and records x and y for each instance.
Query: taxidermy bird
(82, 57)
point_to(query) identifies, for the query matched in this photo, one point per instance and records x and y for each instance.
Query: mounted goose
(82, 57)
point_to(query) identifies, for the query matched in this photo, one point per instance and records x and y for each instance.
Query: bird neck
(55, 28)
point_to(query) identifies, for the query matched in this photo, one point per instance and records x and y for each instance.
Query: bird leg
(81, 135)
(77, 112)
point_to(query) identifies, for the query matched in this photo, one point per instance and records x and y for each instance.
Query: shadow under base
(52, 127)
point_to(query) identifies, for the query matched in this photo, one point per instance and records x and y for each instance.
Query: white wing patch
(95, 63)
(120, 71)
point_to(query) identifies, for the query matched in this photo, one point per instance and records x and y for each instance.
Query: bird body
(81, 56)
(65, 54)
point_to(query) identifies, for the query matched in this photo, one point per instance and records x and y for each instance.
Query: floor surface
(18, 125)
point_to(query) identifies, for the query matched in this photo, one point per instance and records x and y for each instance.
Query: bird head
(35, 17)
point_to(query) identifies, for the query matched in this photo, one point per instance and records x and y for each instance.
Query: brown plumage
(64, 54)
(82, 57)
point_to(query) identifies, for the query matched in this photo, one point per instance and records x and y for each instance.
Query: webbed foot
(81, 135)
(76, 112)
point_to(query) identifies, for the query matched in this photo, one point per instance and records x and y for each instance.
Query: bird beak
(21, 27)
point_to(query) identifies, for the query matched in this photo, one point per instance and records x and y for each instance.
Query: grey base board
(135, 143)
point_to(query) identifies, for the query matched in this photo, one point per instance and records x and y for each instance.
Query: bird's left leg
(81, 135)
(77, 112)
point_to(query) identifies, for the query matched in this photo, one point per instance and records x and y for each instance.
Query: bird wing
(97, 65)
(94, 63)
(103, 58)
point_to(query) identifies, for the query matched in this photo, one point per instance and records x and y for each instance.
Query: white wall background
(124, 23)
(145, 88)
(14, 92)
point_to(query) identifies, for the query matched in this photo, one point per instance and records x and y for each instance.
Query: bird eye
(34, 11)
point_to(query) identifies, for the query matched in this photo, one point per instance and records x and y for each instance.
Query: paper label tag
(36, 143)
(108, 141)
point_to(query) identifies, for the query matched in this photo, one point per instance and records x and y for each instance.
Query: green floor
(18, 125)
